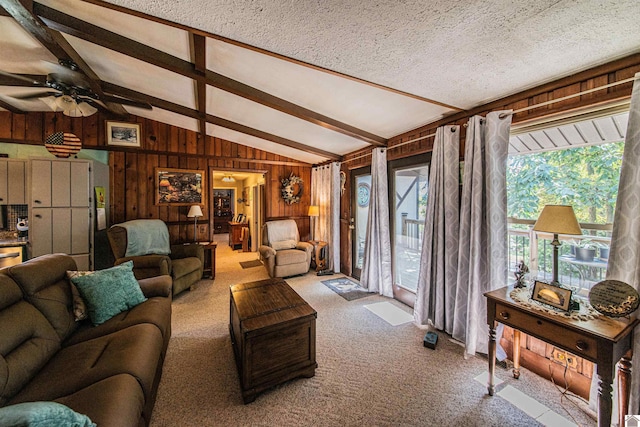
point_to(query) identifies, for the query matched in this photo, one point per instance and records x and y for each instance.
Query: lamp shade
(194, 211)
(314, 210)
(558, 219)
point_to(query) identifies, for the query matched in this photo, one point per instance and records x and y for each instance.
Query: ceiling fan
(71, 92)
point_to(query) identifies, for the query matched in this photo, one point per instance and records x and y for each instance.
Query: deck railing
(537, 252)
(412, 231)
(535, 249)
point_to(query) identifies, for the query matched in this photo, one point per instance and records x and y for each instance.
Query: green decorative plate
(614, 298)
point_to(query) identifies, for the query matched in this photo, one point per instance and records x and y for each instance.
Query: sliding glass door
(408, 205)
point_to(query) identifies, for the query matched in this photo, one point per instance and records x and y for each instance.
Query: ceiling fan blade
(10, 79)
(35, 95)
(126, 101)
(94, 103)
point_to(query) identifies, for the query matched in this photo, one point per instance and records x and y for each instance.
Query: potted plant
(585, 250)
(604, 251)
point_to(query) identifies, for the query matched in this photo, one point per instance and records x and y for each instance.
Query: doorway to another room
(237, 208)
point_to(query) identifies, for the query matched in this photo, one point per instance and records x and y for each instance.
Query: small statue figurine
(521, 271)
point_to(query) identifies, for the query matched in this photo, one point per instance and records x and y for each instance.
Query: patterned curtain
(482, 258)
(376, 270)
(624, 257)
(437, 276)
(325, 193)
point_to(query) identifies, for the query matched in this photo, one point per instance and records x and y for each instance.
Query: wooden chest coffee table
(273, 334)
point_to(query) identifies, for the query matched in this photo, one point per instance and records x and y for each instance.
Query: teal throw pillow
(42, 414)
(109, 292)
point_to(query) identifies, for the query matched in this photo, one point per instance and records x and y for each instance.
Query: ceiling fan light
(66, 102)
(228, 178)
(87, 109)
(52, 102)
(73, 112)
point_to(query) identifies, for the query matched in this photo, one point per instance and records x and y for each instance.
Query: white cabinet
(60, 211)
(13, 174)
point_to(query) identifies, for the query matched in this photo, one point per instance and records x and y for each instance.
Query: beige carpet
(369, 372)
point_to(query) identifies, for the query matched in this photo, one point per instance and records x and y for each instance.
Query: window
(584, 177)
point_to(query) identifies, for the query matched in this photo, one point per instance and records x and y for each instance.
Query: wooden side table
(210, 250)
(604, 341)
(317, 261)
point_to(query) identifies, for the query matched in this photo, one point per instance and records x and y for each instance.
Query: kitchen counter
(5, 243)
(8, 239)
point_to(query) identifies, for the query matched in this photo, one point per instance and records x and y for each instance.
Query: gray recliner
(282, 251)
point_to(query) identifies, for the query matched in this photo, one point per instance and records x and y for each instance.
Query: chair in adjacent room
(282, 251)
(146, 243)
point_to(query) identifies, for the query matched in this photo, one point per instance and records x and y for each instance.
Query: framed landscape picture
(123, 134)
(180, 187)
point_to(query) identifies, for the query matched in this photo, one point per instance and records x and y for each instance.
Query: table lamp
(314, 211)
(195, 212)
(557, 219)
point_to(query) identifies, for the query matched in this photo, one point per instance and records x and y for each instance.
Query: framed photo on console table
(180, 187)
(552, 295)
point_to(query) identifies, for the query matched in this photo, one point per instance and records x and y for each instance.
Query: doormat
(250, 264)
(346, 288)
(390, 313)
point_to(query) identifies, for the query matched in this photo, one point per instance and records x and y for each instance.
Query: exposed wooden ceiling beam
(199, 55)
(54, 42)
(21, 11)
(189, 112)
(110, 40)
(10, 107)
(6, 80)
(270, 137)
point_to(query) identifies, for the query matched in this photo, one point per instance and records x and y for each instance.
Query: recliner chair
(146, 243)
(282, 251)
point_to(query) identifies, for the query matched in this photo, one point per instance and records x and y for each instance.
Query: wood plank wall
(536, 354)
(162, 145)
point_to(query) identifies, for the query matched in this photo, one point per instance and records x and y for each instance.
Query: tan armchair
(282, 251)
(146, 243)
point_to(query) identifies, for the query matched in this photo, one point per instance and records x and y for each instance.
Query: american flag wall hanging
(63, 144)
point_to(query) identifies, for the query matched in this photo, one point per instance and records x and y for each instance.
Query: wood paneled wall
(162, 145)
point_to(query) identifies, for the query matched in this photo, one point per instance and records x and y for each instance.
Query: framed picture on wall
(180, 187)
(123, 134)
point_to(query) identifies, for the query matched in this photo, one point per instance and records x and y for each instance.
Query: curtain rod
(502, 116)
(564, 98)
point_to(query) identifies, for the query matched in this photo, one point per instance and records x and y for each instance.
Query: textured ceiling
(459, 52)
(328, 77)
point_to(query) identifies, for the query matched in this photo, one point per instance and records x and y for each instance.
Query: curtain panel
(624, 256)
(325, 193)
(376, 269)
(437, 276)
(482, 258)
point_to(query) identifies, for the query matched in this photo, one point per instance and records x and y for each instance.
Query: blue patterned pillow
(109, 292)
(42, 414)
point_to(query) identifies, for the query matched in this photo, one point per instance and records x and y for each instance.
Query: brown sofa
(282, 251)
(184, 263)
(108, 372)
